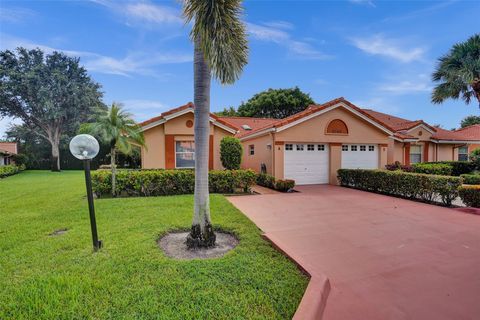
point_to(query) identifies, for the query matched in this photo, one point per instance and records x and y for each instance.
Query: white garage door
(306, 163)
(360, 156)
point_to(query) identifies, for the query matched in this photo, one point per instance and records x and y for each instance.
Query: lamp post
(85, 147)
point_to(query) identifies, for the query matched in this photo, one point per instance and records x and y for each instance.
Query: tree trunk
(55, 159)
(202, 234)
(114, 171)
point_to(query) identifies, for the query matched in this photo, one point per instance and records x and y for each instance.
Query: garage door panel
(306, 164)
(359, 156)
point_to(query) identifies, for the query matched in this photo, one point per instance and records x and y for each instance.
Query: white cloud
(16, 15)
(364, 2)
(144, 109)
(278, 35)
(279, 24)
(410, 85)
(392, 48)
(133, 63)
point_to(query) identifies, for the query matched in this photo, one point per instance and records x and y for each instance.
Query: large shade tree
(458, 73)
(119, 131)
(50, 93)
(221, 50)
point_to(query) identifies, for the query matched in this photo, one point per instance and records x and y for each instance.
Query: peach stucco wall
(445, 152)
(153, 156)
(395, 151)
(263, 154)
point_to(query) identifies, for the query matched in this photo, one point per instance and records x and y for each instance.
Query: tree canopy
(458, 73)
(469, 121)
(275, 103)
(52, 94)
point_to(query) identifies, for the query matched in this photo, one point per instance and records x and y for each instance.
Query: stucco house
(309, 146)
(7, 150)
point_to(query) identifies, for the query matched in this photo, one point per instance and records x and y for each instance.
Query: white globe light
(84, 147)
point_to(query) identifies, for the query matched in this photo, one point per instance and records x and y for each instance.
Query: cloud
(278, 35)
(391, 48)
(279, 24)
(418, 84)
(363, 2)
(142, 63)
(144, 109)
(143, 12)
(16, 15)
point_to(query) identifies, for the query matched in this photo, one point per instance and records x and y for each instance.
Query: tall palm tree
(221, 50)
(117, 129)
(459, 72)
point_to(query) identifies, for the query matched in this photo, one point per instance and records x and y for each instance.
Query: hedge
(170, 182)
(458, 167)
(471, 178)
(425, 187)
(470, 195)
(10, 170)
(269, 181)
(433, 168)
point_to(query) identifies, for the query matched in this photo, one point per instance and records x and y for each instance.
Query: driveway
(386, 258)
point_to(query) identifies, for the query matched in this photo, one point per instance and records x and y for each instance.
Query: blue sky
(377, 54)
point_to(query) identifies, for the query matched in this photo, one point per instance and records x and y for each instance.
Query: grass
(59, 277)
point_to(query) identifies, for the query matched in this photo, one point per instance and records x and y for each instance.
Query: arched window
(337, 126)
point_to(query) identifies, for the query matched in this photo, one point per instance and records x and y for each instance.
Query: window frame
(345, 147)
(251, 149)
(320, 147)
(310, 147)
(354, 147)
(420, 153)
(184, 152)
(289, 146)
(299, 147)
(371, 148)
(463, 153)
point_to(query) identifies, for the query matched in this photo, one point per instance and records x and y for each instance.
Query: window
(251, 149)
(185, 154)
(344, 147)
(353, 148)
(415, 154)
(321, 147)
(463, 153)
(371, 148)
(299, 147)
(363, 148)
(310, 147)
(289, 147)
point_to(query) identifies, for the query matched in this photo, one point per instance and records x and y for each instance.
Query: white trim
(315, 114)
(221, 125)
(424, 127)
(456, 141)
(256, 134)
(153, 124)
(178, 113)
(404, 140)
(175, 152)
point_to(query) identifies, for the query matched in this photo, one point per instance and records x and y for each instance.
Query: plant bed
(269, 181)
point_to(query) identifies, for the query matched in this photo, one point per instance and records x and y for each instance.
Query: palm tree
(117, 129)
(459, 72)
(221, 49)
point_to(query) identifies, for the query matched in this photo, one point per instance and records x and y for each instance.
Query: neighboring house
(312, 145)
(169, 139)
(309, 146)
(7, 150)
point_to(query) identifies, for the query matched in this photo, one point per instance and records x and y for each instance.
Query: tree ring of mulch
(58, 232)
(174, 245)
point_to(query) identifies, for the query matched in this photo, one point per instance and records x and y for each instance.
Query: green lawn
(45, 277)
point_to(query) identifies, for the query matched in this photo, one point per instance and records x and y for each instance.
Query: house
(309, 146)
(169, 139)
(7, 150)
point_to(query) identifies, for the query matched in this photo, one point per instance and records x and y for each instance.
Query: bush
(169, 182)
(20, 159)
(470, 195)
(266, 180)
(404, 184)
(10, 170)
(475, 158)
(471, 178)
(433, 168)
(284, 185)
(398, 166)
(231, 153)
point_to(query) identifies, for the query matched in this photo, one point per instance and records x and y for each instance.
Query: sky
(377, 54)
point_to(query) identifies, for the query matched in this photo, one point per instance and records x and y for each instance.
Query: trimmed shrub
(475, 158)
(284, 185)
(20, 159)
(470, 195)
(231, 153)
(471, 178)
(398, 166)
(460, 167)
(169, 182)
(10, 170)
(425, 187)
(433, 168)
(266, 180)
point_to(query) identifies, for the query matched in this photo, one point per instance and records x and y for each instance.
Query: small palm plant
(459, 73)
(221, 50)
(117, 129)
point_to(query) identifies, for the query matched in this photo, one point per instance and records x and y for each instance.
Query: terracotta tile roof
(470, 133)
(178, 109)
(8, 147)
(253, 123)
(397, 123)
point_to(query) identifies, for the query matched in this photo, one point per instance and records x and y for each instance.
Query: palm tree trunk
(202, 234)
(114, 171)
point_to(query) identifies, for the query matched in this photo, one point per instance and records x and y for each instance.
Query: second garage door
(306, 163)
(359, 156)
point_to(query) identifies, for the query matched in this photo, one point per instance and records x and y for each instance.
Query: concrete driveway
(386, 258)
